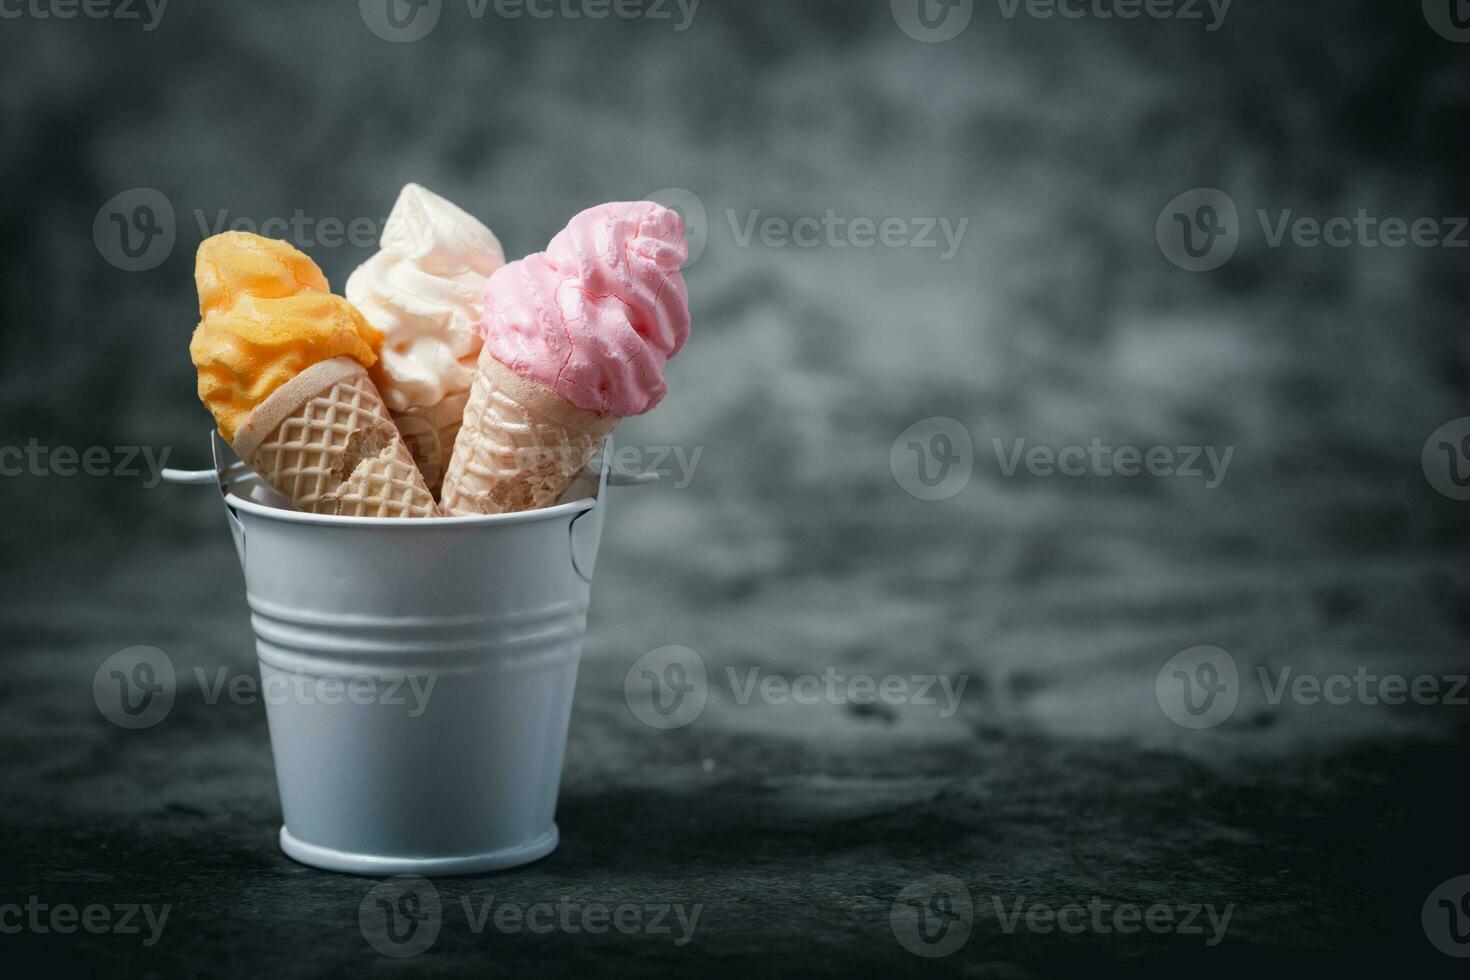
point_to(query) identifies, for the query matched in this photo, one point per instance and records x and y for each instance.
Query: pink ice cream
(596, 315)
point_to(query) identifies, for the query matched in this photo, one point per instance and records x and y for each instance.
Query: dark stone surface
(793, 831)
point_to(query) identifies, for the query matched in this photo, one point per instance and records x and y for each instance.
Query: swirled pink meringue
(596, 315)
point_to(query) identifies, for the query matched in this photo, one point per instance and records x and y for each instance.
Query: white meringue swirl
(424, 291)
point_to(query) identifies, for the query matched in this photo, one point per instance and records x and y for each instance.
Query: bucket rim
(238, 503)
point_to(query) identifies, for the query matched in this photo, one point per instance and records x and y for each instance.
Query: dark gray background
(795, 548)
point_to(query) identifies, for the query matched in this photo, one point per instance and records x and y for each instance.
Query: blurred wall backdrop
(1034, 285)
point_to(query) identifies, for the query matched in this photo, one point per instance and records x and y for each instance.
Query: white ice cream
(425, 291)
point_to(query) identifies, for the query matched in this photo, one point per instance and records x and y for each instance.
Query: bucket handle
(586, 527)
(220, 477)
(223, 476)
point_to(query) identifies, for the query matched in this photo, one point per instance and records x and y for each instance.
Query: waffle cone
(430, 433)
(521, 444)
(325, 440)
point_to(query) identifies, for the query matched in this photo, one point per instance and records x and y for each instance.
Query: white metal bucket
(418, 675)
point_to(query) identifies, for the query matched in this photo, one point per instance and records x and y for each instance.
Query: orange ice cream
(266, 314)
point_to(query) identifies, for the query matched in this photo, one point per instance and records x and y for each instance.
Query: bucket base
(381, 866)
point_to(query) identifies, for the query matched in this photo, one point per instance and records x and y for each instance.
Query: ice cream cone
(521, 444)
(424, 291)
(326, 442)
(430, 433)
(576, 338)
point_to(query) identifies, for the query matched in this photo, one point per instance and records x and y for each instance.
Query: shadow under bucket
(418, 675)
